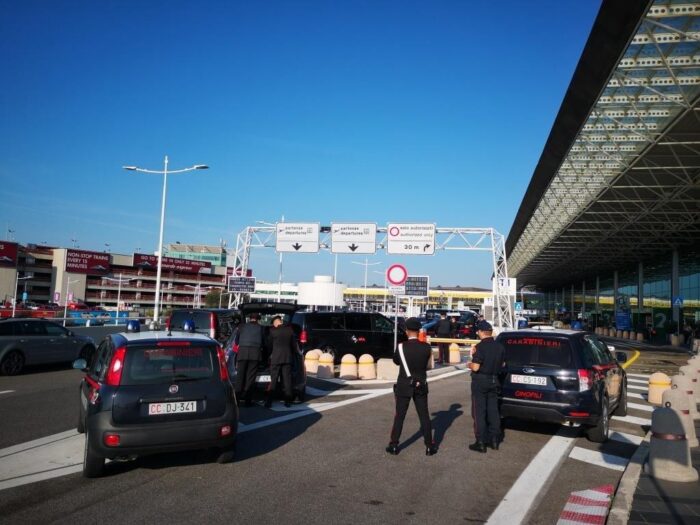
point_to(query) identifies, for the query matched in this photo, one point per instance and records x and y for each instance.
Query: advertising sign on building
(171, 264)
(410, 239)
(90, 263)
(8, 254)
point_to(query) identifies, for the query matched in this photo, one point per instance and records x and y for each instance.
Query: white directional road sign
(353, 238)
(297, 237)
(410, 239)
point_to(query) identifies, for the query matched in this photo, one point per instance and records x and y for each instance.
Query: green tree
(211, 300)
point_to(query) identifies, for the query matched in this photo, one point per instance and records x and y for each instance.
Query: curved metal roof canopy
(619, 178)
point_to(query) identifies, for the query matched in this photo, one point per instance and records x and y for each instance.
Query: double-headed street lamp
(164, 172)
(366, 264)
(120, 280)
(17, 280)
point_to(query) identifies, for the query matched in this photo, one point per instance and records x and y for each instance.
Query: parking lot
(321, 461)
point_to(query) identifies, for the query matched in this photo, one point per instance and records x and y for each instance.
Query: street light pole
(366, 264)
(14, 299)
(65, 303)
(164, 172)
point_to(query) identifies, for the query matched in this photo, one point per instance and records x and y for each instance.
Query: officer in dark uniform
(444, 330)
(282, 344)
(412, 386)
(250, 344)
(487, 361)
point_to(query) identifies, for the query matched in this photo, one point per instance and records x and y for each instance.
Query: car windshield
(200, 319)
(524, 350)
(155, 365)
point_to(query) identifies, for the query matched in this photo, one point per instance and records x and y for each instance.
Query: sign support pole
(396, 322)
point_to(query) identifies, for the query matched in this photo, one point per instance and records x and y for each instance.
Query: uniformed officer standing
(250, 344)
(412, 385)
(444, 330)
(282, 343)
(487, 362)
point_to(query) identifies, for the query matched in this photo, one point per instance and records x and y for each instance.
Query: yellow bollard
(658, 384)
(326, 369)
(455, 356)
(311, 361)
(366, 368)
(348, 367)
(633, 336)
(625, 334)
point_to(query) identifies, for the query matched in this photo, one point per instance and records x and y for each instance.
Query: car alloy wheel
(12, 363)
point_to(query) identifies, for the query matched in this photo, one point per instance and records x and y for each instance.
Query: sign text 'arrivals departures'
(297, 237)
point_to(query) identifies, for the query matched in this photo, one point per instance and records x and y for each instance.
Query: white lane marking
(61, 454)
(304, 406)
(631, 380)
(638, 388)
(340, 392)
(640, 376)
(637, 406)
(601, 459)
(623, 437)
(637, 396)
(633, 419)
(6, 391)
(523, 496)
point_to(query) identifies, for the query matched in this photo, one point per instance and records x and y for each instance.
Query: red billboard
(170, 264)
(8, 254)
(91, 263)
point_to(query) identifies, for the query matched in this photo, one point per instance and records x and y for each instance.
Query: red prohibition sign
(394, 231)
(396, 274)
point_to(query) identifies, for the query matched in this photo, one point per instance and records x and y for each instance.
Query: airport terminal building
(609, 227)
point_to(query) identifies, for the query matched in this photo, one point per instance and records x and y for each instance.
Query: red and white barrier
(587, 506)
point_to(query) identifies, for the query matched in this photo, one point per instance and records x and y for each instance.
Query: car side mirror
(80, 364)
(611, 348)
(69, 333)
(621, 357)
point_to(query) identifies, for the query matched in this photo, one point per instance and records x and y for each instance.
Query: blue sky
(433, 111)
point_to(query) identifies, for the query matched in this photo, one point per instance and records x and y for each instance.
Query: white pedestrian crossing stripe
(639, 376)
(632, 380)
(633, 419)
(637, 406)
(623, 437)
(598, 458)
(637, 396)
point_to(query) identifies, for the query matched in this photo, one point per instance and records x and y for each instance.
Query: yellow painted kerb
(629, 362)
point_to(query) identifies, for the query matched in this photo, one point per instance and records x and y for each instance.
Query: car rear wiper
(548, 365)
(182, 377)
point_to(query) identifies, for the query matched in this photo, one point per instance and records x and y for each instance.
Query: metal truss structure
(447, 239)
(629, 186)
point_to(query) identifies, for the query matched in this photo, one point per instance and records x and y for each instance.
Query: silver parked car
(37, 342)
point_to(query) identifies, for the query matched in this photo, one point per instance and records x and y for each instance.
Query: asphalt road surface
(321, 462)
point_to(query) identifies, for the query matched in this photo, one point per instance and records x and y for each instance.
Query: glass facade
(606, 301)
(689, 285)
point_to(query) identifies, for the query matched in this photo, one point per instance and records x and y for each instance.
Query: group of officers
(488, 359)
(413, 358)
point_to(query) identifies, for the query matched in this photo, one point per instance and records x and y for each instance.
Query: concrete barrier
(348, 367)
(366, 368)
(658, 383)
(640, 337)
(311, 361)
(675, 340)
(633, 336)
(685, 382)
(387, 369)
(669, 453)
(455, 355)
(678, 401)
(326, 368)
(694, 364)
(625, 334)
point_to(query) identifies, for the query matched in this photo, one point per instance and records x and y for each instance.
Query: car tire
(599, 432)
(621, 408)
(227, 454)
(93, 463)
(12, 363)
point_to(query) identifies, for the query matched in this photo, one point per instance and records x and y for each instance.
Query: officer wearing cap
(412, 383)
(250, 340)
(487, 361)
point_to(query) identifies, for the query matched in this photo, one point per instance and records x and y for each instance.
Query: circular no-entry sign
(396, 274)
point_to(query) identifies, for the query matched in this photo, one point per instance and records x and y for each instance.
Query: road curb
(624, 495)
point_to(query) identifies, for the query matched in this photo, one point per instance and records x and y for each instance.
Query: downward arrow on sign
(353, 247)
(296, 246)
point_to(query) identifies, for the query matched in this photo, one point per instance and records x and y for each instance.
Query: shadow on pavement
(441, 422)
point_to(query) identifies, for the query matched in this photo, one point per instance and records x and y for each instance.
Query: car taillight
(212, 325)
(584, 380)
(225, 431)
(112, 440)
(579, 414)
(223, 371)
(114, 372)
(303, 337)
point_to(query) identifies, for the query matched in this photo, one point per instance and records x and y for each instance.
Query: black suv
(340, 333)
(563, 376)
(217, 323)
(152, 392)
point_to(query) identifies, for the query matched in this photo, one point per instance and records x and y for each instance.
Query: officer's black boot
(393, 449)
(494, 444)
(431, 450)
(268, 401)
(478, 446)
